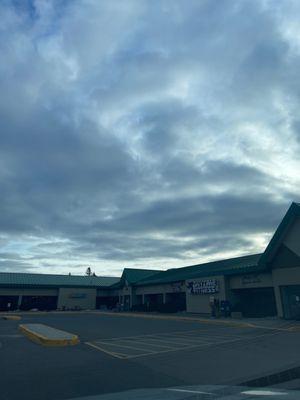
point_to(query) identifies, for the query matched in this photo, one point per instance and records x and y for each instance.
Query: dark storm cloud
(145, 131)
(149, 249)
(195, 216)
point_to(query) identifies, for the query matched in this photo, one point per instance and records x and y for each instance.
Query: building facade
(259, 285)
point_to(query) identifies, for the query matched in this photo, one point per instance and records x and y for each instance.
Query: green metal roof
(229, 266)
(291, 214)
(133, 275)
(27, 279)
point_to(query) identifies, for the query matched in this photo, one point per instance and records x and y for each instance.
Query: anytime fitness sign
(206, 286)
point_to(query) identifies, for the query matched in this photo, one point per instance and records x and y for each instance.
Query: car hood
(201, 392)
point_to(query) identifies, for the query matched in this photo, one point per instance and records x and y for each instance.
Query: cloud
(143, 133)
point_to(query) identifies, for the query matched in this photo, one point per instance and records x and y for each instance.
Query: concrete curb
(47, 341)
(273, 379)
(229, 322)
(177, 318)
(12, 317)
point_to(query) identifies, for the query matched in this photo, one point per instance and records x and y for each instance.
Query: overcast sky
(150, 134)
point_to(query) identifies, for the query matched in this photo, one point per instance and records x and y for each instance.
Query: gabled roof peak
(292, 213)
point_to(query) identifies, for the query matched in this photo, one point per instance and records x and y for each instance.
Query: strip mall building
(266, 284)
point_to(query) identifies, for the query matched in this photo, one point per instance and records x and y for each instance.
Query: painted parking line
(181, 341)
(130, 348)
(114, 354)
(172, 341)
(210, 338)
(146, 345)
(210, 334)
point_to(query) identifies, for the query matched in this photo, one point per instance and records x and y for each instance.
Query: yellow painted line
(230, 323)
(121, 356)
(46, 341)
(12, 317)
(272, 328)
(293, 329)
(24, 313)
(117, 355)
(177, 318)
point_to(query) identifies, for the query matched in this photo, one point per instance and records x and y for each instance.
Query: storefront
(45, 292)
(258, 285)
(291, 301)
(8, 303)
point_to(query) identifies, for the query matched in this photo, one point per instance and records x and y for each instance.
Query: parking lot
(119, 352)
(146, 345)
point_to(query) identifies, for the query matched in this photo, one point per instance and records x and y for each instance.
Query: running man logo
(205, 286)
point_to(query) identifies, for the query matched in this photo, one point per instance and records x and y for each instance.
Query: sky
(145, 134)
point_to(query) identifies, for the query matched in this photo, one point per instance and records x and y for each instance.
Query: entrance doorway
(43, 303)
(176, 301)
(153, 302)
(108, 302)
(8, 303)
(255, 302)
(290, 296)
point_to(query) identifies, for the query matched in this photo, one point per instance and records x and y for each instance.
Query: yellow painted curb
(177, 318)
(12, 317)
(294, 329)
(45, 341)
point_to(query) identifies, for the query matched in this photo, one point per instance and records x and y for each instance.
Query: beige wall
(156, 289)
(65, 298)
(104, 292)
(107, 292)
(251, 281)
(199, 303)
(292, 239)
(285, 276)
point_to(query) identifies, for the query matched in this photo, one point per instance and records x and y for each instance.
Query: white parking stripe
(167, 341)
(146, 343)
(168, 351)
(205, 335)
(184, 341)
(123, 347)
(118, 355)
(200, 339)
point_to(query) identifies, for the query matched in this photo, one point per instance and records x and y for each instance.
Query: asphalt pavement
(118, 353)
